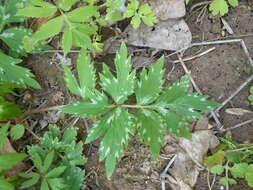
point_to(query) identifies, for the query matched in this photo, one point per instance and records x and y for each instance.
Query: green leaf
(218, 169)
(48, 161)
(216, 158)
(234, 157)
(227, 181)
(8, 110)
(123, 85)
(67, 41)
(8, 12)
(11, 72)
(150, 84)
(131, 8)
(147, 15)
(37, 12)
(233, 3)
(81, 39)
(13, 37)
(249, 175)
(83, 14)
(188, 105)
(117, 129)
(69, 135)
(71, 81)
(34, 179)
(56, 172)
(44, 185)
(218, 7)
(17, 132)
(176, 125)
(151, 130)
(86, 74)
(9, 160)
(239, 170)
(136, 21)
(3, 134)
(37, 161)
(73, 178)
(5, 185)
(99, 104)
(66, 4)
(49, 29)
(56, 183)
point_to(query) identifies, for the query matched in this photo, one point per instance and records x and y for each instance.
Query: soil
(218, 74)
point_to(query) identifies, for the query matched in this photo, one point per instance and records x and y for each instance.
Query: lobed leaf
(151, 129)
(123, 85)
(83, 14)
(219, 7)
(34, 179)
(150, 84)
(11, 72)
(117, 129)
(99, 104)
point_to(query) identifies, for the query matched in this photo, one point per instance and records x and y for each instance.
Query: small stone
(168, 9)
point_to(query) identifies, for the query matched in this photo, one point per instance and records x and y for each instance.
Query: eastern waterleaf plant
(159, 109)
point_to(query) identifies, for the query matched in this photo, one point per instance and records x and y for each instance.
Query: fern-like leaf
(150, 84)
(123, 85)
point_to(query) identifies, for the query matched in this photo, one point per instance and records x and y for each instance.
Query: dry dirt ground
(217, 73)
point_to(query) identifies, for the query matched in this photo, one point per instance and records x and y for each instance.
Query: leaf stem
(136, 106)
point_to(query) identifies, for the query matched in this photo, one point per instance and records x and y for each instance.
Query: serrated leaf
(5, 185)
(233, 3)
(73, 178)
(11, 72)
(239, 170)
(56, 172)
(176, 125)
(3, 134)
(8, 160)
(56, 183)
(48, 161)
(188, 105)
(131, 9)
(83, 14)
(13, 37)
(66, 4)
(234, 157)
(123, 85)
(147, 15)
(44, 185)
(37, 161)
(49, 29)
(86, 74)
(67, 41)
(99, 104)
(118, 126)
(150, 84)
(218, 169)
(81, 39)
(69, 135)
(71, 81)
(17, 132)
(34, 179)
(218, 7)
(151, 130)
